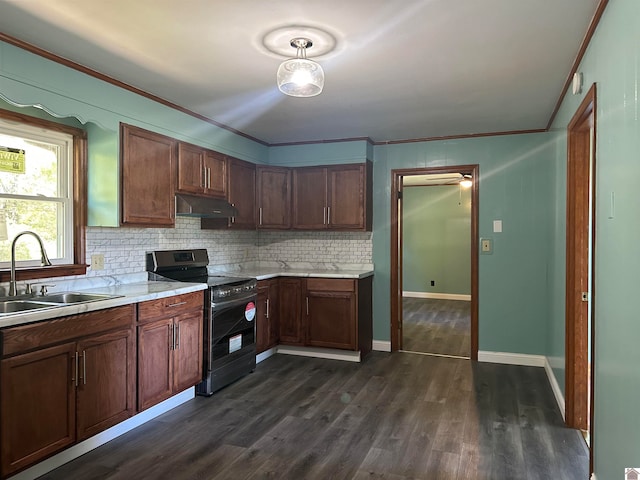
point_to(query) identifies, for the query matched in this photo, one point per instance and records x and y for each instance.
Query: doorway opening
(442, 313)
(580, 292)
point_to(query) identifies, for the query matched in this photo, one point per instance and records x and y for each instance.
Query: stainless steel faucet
(45, 262)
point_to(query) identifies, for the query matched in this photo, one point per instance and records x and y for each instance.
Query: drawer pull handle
(176, 304)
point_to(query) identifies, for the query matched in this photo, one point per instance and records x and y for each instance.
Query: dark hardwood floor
(436, 326)
(395, 416)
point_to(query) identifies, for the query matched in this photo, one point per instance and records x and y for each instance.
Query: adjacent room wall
(515, 186)
(436, 239)
(612, 62)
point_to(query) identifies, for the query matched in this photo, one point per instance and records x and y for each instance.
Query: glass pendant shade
(300, 77)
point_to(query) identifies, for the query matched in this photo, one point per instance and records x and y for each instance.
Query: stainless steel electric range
(230, 308)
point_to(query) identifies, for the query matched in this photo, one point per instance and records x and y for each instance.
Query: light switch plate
(497, 226)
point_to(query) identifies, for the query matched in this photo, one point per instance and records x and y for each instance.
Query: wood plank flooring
(436, 326)
(395, 416)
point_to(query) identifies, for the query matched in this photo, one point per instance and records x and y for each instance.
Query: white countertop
(266, 273)
(134, 288)
(266, 270)
(127, 293)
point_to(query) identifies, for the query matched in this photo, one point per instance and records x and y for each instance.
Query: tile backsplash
(316, 247)
(124, 248)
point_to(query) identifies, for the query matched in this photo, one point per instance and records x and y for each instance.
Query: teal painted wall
(330, 153)
(27, 79)
(515, 186)
(612, 61)
(436, 238)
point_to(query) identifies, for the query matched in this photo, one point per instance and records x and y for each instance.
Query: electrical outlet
(97, 261)
(486, 246)
(433, 283)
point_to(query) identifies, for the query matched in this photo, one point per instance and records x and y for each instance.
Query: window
(38, 193)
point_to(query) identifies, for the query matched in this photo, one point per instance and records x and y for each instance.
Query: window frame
(79, 200)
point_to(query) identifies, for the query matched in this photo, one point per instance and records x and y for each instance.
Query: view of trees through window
(34, 194)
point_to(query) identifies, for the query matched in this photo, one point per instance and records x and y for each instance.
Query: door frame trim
(576, 365)
(396, 282)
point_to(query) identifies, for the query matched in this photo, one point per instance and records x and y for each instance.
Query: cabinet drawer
(170, 306)
(49, 332)
(331, 284)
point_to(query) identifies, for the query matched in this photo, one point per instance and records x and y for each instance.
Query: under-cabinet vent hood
(203, 207)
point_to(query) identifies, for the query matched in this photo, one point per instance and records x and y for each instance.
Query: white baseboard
(329, 353)
(527, 361)
(557, 391)
(101, 438)
(381, 346)
(438, 296)
(266, 354)
(508, 358)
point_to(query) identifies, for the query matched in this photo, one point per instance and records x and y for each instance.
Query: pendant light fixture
(300, 77)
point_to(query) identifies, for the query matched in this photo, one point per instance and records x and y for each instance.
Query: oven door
(232, 329)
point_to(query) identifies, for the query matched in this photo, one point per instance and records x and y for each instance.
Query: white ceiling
(400, 69)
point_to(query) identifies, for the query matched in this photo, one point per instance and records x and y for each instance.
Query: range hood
(203, 207)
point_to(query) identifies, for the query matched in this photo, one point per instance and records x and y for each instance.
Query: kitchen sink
(75, 297)
(15, 306)
(9, 305)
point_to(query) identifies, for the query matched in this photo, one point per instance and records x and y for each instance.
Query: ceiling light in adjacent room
(300, 77)
(465, 181)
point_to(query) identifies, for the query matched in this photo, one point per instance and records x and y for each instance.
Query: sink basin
(75, 297)
(15, 306)
(9, 305)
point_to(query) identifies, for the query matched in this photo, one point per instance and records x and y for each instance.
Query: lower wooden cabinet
(290, 311)
(170, 346)
(73, 380)
(267, 315)
(327, 313)
(331, 313)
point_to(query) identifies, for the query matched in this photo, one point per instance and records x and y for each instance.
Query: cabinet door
(215, 171)
(309, 198)
(262, 319)
(242, 193)
(274, 197)
(291, 311)
(37, 405)
(107, 379)
(190, 168)
(148, 178)
(188, 351)
(332, 313)
(267, 311)
(155, 362)
(273, 312)
(346, 192)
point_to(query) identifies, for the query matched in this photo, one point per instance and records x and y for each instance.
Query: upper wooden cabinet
(273, 197)
(241, 193)
(148, 165)
(334, 197)
(201, 171)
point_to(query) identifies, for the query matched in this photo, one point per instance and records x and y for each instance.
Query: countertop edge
(266, 274)
(127, 294)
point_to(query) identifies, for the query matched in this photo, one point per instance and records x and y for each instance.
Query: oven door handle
(234, 301)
